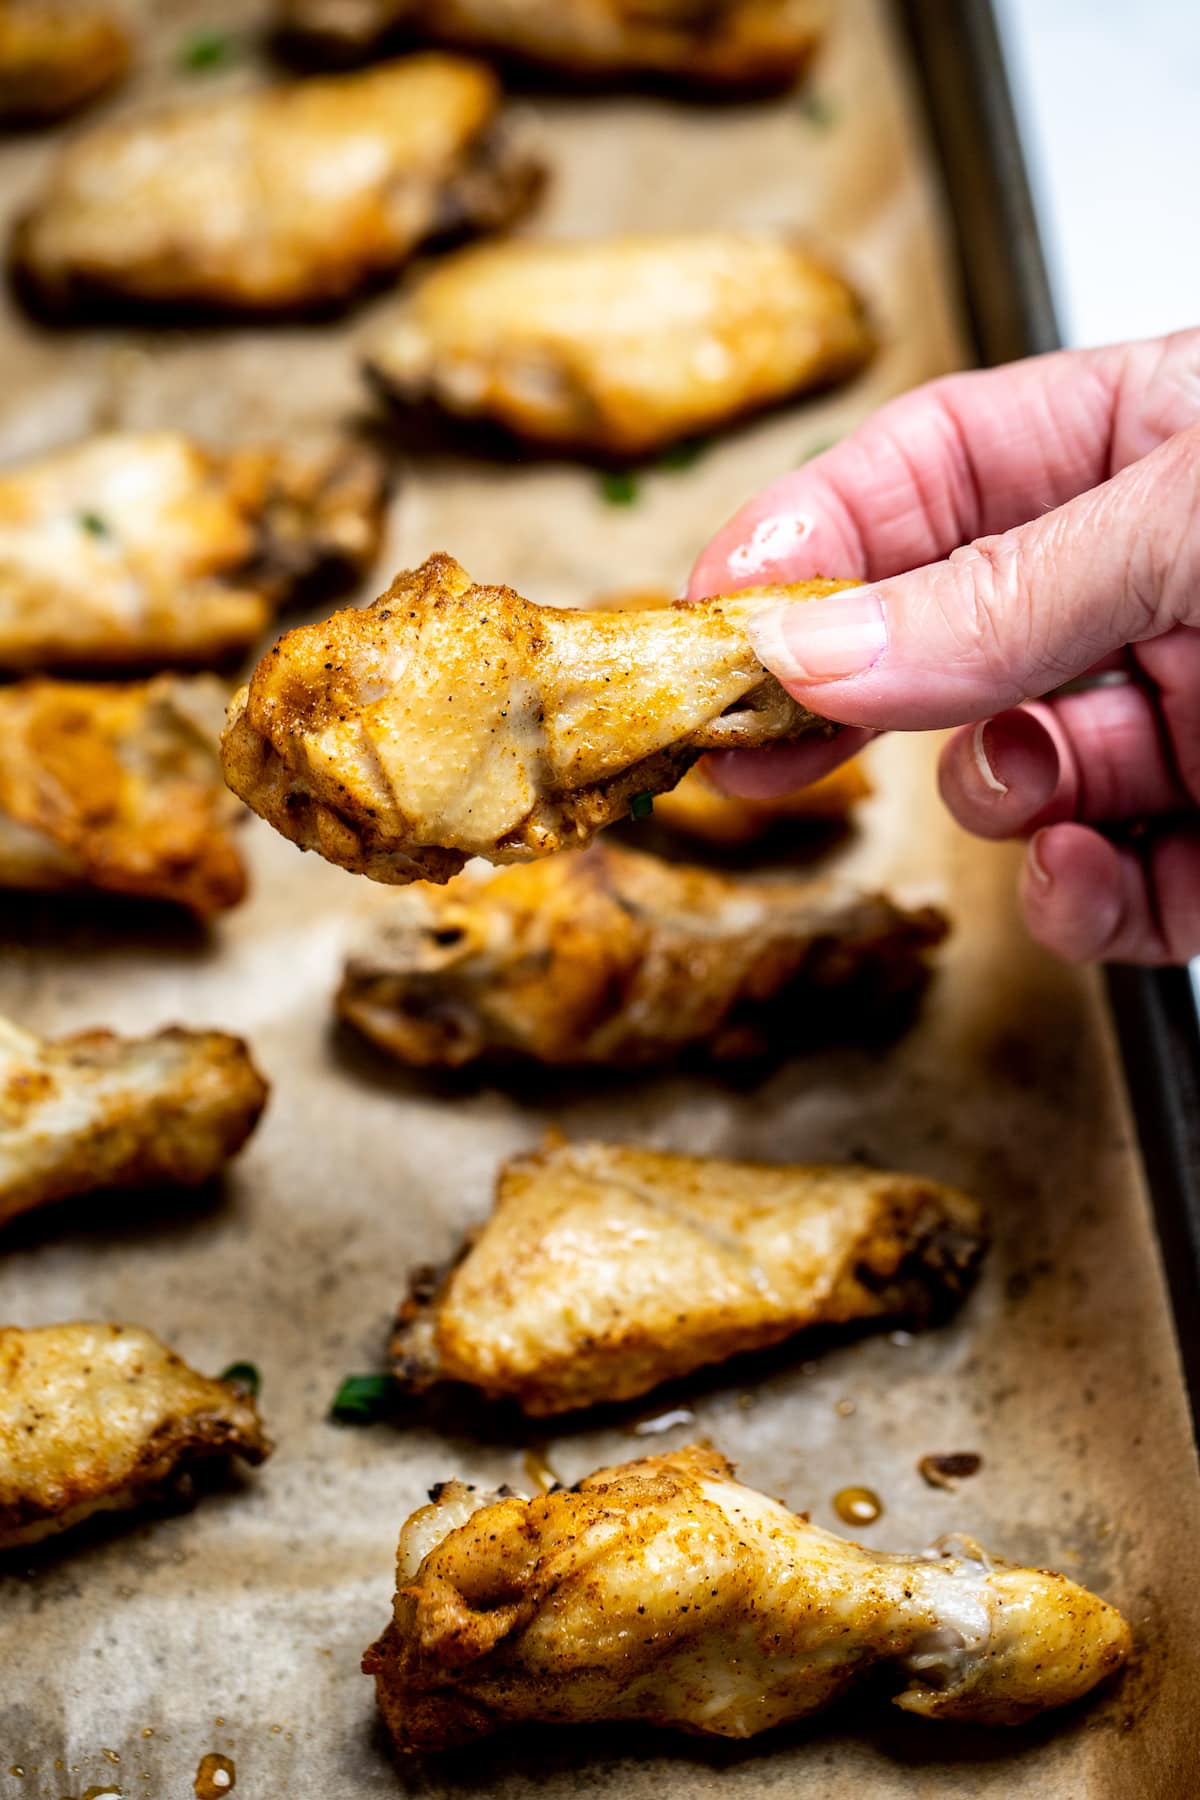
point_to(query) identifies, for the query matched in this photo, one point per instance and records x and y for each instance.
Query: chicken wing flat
(666, 1591)
(722, 45)
(118, 787)
(140, 549)
(276, 200)
(448, 721)
(55, 56)
(100, 1418)
(96, 1111)
(613, 958)
(621, 347)
(604, 1271)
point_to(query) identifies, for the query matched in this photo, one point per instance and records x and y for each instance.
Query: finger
(968, 456)
(1089, 900)
(1007, 617)
(1098, 755)
(769, 774)
(1172, 663)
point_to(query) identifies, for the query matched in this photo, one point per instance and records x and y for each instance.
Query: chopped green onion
(619, 487)
(93, 523)
(818, 111)
(243, 1375)
(361, 1399)
(208, 50)
(684, 455)
(641, 806)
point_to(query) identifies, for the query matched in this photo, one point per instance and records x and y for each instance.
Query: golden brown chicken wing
(448, 721)
(99, 1418)
(622, 346)
(274, 200)
(140, 549)
(95, 1111)
(697, 809)
(609, 957)
(724, 45)
(604, 1271)
(56, 55)
(118, 787)
(666, 1591)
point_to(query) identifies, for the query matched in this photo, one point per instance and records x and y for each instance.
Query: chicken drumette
(606, 1270)
(448, 721)
(99, 1418)
(141, 550)
(273, 200)
(666, 1591)
(97, 1111)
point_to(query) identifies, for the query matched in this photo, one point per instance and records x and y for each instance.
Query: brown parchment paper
(238, 1627)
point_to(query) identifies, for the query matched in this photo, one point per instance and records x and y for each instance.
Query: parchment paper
(238, 1627)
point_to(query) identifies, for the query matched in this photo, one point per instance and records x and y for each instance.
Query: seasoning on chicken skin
(117, 786)
(622, 346)
(141, 549)
(55, 56)
(100, 1418)
(94, 1111)
(604, 1271)
(613, 958)
(666, 1591)
(721, 45)
(275, 200)
(448, 721)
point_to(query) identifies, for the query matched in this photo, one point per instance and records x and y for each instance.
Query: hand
(1073, 481)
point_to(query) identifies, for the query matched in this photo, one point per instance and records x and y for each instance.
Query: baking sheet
(238, 1627)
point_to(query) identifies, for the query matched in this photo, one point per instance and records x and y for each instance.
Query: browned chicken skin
(668, 1592)
(723, 45)
(620, 347)
(140, 549)
(604, 1271)
(273, 200)
(56, 55)
(612, 958)
(96, 1111)
(448, 721)
(117, 787)
(99, 1418)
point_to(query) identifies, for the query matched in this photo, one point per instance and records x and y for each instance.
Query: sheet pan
(237, 1627)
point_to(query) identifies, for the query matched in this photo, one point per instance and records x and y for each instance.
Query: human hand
(1064, 495)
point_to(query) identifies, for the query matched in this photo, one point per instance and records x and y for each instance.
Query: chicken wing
(275, 200)
(118, 787)
(666, 1591)
(100, 1418)
(697, 809)
(620, 347)
(609, 957)
(55, 56)
(448, 721)
(140, 549)
(722, 45)
(605, 1271)
(95, 1111)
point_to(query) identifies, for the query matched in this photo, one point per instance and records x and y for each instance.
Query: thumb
(1008, 617)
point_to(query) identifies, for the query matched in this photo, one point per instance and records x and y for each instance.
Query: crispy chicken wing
(55, 55)
(622, 346)
(273, 200)
(604, 1271)
(610, 957)
(448, 721)
(117, 786)
(711, 44)
(666, 1591)
(96, 1111)
(99, 1418)
(140, 549)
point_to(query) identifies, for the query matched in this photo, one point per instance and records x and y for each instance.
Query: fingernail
(812, 641)
(983, 761)
(1034, 863)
